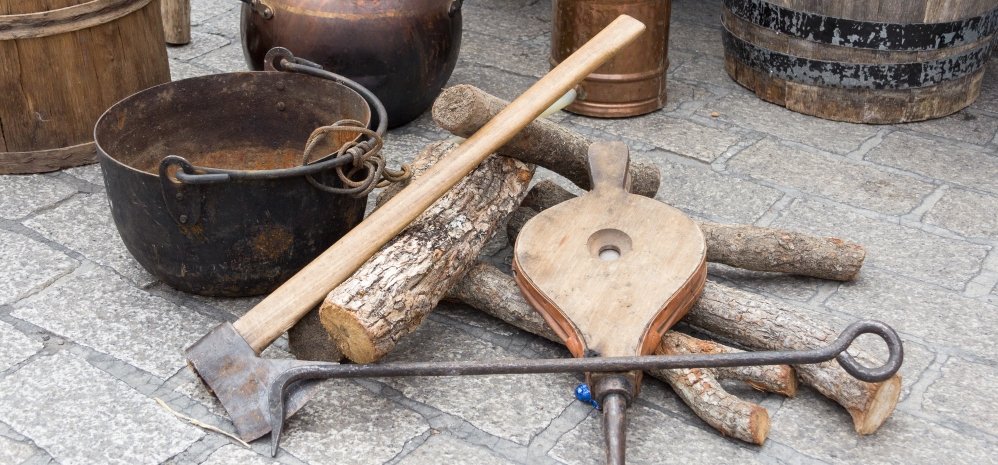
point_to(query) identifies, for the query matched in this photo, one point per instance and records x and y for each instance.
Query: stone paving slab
(952, 162)
(827, 436)
(688, 138)
(16, 347)
(345, 423)
(45, 192)
(101, 310)
(82, 415)
(838, 179)
(12, 451)
(231, 454)
(961, 380)
(29, 266)
(967, 213)
(968, 126)
(744, 109)
(901, 249)
(655, 438)
(490, 403)
(699, 190)
(442, 448)
(919, 309)
(101, 243)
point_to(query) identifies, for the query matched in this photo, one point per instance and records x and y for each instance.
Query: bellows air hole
(609, 244)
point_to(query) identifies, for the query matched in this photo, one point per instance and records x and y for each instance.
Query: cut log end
(758, 425)
(458, 105)
(882, 402)
(352, 337)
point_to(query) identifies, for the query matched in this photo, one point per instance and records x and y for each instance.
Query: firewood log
(495, 293)
(759, 323)
(391, 294)
(779, 379)
(464, 109)
(742, 246)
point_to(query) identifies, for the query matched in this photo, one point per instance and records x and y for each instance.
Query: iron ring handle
(861, 372)
(281, 59)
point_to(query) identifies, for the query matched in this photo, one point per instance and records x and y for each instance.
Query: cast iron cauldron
(206, 182)
(403, 50)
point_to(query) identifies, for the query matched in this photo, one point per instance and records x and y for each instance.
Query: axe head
(243, 381)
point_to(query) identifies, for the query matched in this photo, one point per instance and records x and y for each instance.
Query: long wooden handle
(290, 302)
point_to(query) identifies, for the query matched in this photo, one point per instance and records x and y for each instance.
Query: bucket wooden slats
(62, 63)
(886, 61)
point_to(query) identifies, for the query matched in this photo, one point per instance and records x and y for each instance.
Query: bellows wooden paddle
(610, 272)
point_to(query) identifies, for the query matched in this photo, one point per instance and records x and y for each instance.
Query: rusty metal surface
(244, 218)
(632, 83)
(403, 50)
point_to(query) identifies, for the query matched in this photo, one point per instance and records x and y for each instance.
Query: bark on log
(779, 379)
(391, 294)
(700, 390)
(464, 109)
(762, 324)
(743, 246)
(493, 292)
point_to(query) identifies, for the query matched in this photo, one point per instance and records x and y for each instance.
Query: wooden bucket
(871, 61)
(62, 63)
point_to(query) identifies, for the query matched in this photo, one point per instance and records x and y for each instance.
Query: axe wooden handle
(290, 302)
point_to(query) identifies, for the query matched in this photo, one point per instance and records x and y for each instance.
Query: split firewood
(759, 323)
(742, 246)
(495, 293)
(464, 109)
(391, 294)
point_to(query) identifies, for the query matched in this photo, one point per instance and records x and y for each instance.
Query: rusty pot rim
(188, 173)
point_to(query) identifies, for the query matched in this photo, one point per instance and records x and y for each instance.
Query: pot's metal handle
(281, 59)
(260, 8)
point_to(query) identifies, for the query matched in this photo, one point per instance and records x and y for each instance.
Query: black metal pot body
(235, 216)
(402, 50)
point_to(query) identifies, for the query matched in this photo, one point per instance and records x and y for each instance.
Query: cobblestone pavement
(90, 339)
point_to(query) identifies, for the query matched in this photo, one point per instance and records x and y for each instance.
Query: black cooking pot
(206, 181)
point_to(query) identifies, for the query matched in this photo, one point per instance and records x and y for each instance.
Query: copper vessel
(633, 82)
(402, 50)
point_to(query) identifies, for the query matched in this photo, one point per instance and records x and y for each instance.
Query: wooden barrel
(870, 61)
(62, 63)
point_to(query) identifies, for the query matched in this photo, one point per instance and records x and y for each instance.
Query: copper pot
(633, 82)
(402, 50)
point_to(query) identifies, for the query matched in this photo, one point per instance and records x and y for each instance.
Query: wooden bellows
(611, 271)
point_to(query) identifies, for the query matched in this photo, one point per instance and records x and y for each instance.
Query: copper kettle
(402, 50)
